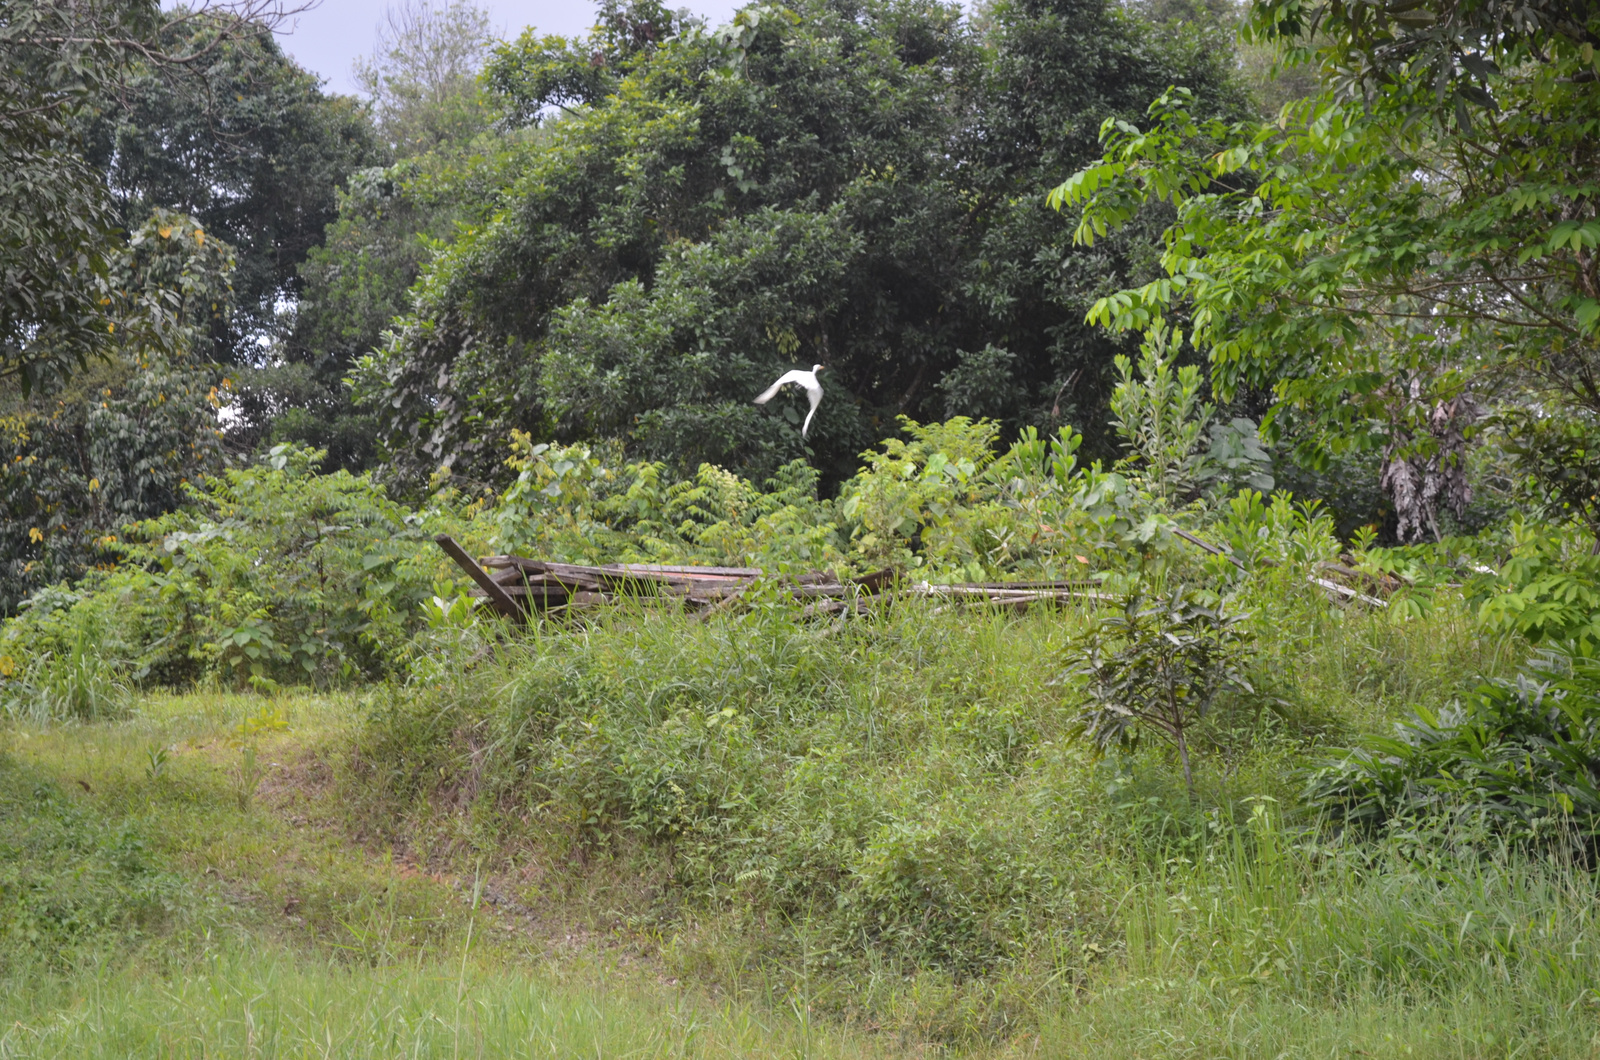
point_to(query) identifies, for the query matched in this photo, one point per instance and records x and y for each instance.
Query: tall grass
(1266, 947)
(887, 812)
(145, 912)
(882, 819)
(241, 1002)
(78, 681)
(1325, 922)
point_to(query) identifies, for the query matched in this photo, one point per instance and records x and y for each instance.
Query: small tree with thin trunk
(423, 73)
(1157, 664)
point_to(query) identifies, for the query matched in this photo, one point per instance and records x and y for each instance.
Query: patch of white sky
(329, 38)
(331, 35)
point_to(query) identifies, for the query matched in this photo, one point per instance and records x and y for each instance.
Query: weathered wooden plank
(535, 592)
(739, 573)
(1336, 590)
(1377, 583)
(583, 601)
(975, 594)
(497, 596)
(520, 584)
(521, 562)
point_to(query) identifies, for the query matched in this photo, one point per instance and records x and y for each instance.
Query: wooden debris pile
(517, 587)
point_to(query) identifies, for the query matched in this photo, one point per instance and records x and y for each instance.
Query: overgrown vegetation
(247, 707)
(892, 816)
(1516, 757)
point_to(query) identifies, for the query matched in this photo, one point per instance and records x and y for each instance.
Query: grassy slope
(890, 820)
(150, 910)
(883, 823)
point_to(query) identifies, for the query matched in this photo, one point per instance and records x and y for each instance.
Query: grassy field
(756, 836)
(159, 897)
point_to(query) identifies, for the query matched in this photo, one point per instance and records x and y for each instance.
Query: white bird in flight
(806, 381)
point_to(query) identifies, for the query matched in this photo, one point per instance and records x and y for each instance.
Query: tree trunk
(1183, 755)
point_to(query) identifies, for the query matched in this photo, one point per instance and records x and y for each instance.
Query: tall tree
(851, 183)
(1419, 242)
(249, 145)
(423, 75)
(60, 235)
(423, 79)
(114, 444)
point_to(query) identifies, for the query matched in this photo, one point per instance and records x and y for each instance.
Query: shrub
(1160, 416)
(1157, 665)
(274, 574)
(1520, 755)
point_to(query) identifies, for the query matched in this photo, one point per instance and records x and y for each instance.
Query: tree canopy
(61, 234)
(1412, 247)
(851, 183)
(138, 147)
(249, 145)
(422, 77)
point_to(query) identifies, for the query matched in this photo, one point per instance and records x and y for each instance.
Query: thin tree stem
(1183, 754)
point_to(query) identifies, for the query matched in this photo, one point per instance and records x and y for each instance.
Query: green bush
(941, 504)
(1519, 757)
(273, 574)
(1158, 664)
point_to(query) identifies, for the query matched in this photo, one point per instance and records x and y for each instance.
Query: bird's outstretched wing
(772, 391)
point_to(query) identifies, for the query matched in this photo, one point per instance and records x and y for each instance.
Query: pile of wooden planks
(517, 587)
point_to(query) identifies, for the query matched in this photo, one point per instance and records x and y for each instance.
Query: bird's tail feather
(769, 393)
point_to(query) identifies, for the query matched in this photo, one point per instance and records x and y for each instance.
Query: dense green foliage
(851, 184)
(543, 299)
(354, 286)
(270, 573)
(115, 443)
(1158, 665)
(275, 572)
(59, 237)
(1387, 264)
(248, 145)
(134, 139)
(113, 108)
(1519, 757)
(434, 117)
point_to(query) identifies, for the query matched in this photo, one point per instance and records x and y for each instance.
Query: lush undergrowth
(831, 839)
(160, 896)
(889, 816)
(897, 820)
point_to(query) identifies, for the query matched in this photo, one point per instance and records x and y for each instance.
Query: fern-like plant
(1521, 755)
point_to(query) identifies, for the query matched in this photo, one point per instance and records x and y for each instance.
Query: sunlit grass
(756, 828)
(243, 1001)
